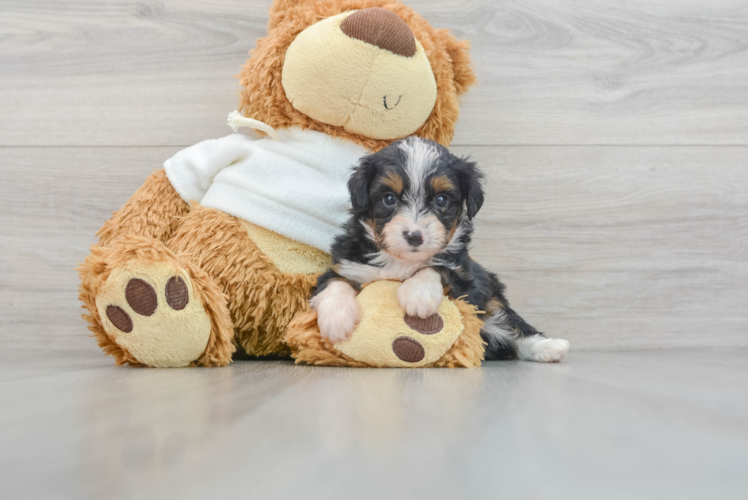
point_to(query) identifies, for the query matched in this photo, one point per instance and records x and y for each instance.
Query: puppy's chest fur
(380, 267)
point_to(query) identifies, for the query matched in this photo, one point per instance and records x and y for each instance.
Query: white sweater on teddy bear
(295, 186)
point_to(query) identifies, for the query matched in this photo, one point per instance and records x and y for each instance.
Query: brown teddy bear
(222, 247)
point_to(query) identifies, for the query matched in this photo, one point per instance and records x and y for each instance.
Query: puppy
(413, 205)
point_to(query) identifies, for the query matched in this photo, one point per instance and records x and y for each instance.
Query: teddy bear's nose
(382, 28)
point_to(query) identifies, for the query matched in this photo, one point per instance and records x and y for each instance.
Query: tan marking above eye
(394, 182)
(442, 183)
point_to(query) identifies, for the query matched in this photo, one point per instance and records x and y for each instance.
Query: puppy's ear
(358, 186)
(471, 187)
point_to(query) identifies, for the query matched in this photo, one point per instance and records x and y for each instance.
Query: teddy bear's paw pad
(408, 349)
(141, 296)
(119, 318)
(149, 309)
(426, 326)
(177, 295)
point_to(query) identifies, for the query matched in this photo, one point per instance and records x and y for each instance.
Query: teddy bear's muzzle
(364, 71)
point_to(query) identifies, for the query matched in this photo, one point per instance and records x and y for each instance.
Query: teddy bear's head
(371, 71)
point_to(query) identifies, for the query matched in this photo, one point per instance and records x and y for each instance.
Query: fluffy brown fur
(309, 347)
(210, 244)
(97, 267)
(468, 349)
(264, 99)
(262, 300)
(153, 211)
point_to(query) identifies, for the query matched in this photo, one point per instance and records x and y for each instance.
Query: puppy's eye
(389, 200)
(441, 201)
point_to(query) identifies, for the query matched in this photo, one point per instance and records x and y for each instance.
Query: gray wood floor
(615, 138)
(656, 424)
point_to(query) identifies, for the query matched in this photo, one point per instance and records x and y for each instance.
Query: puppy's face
(413, 196)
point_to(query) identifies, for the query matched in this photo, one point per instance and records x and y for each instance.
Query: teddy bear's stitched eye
(441, 201)
(389, 200)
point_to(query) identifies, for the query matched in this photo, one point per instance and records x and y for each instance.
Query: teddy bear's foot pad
(149, 309)
(408, 349)
(119, 318)
(141, 297)
(426, 326)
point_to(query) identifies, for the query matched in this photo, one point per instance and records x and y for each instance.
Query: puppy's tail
(500, 337)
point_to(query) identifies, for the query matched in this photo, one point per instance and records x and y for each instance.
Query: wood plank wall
(614, 135)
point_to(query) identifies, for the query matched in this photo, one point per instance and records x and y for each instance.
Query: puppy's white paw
(338, 312)
(421, 294)
(543, 350)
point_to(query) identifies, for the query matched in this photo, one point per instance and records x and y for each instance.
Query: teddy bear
(220, 249)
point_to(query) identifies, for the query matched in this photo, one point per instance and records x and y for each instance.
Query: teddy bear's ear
(281, 8)
(282, 5)
(462, 64)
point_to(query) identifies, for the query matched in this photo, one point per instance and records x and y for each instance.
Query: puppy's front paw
(421, 294)
(338, 312)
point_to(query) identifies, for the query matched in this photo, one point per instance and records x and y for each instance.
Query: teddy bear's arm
(153, 212)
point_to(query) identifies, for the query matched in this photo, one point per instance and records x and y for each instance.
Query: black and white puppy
(413, 206)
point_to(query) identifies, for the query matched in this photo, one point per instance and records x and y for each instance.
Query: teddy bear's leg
(262, 300)
(149, 306)
(153, 211)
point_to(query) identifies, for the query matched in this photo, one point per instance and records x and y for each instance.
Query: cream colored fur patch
(288, 256)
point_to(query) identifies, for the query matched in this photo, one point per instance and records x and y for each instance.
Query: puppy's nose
(414, 238)
(382, 28)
